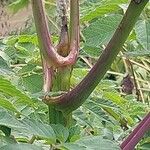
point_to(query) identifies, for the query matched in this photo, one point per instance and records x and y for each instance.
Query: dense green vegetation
(113, 109)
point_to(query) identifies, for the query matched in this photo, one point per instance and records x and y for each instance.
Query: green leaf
(74, 133)
(10, 40)
(138, 53)
(122, 103)
(9, 90)
(92, 51)
(115, 1)
(61, 132)
(77, 75)
(81, 118)
(8, 105)
(96, 110)
(6, 130)
(4, 140)
(72, 146)
(29, 126)
(100, 11)
(145, 146)
(20, 147)
(100, 31)
(102, 8)
(115, 98)
(33, 83)
(18, 4)
(27, 69)
(104, 102)
(22, 52)
(43, 131)
(9, 121)
(142, 30)
(4, 68)
(92, 143)
(28, 39)
(108, 134)
(3, 64)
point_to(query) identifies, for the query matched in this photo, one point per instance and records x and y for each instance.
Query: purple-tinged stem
(47, 49)
(75, 98)
(136, 134)
(48, 75)
(74, 22)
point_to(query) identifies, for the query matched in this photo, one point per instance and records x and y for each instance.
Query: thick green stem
(57, 64)
(62, 79)
(61, 82)
(73, 99)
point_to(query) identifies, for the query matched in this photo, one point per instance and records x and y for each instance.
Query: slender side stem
(63, 46)
(137, 134)
(48, 77)
(48, 51)
(134, 78)
(73, 99)
(74, 22)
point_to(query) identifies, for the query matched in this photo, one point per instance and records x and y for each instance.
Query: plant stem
(57, 62)
(47, 50)
(74, 22)
(136, 134)
(73, 99)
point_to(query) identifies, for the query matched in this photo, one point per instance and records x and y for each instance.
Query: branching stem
(73, 99)
(47, 49)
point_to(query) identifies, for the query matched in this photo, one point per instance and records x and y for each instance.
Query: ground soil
(10, 23)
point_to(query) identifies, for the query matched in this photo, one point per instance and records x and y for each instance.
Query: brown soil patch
(10, 23)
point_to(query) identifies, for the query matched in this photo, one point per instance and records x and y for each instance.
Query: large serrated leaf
(8, 89)
(33, 83)
(96, 110)
(29, 126)
(115, 97)
(20, 147)
(92, 51)
(100, 31)
(120, 101)
(28, 39)
(43, 131)
(138, 53)
(61, 132)
(4, 68)
(27, 69)
(102, 8)
(103, 102)
(8, 105)
(92, 143)
(142, 30)
(100, 11)
(8, 120)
